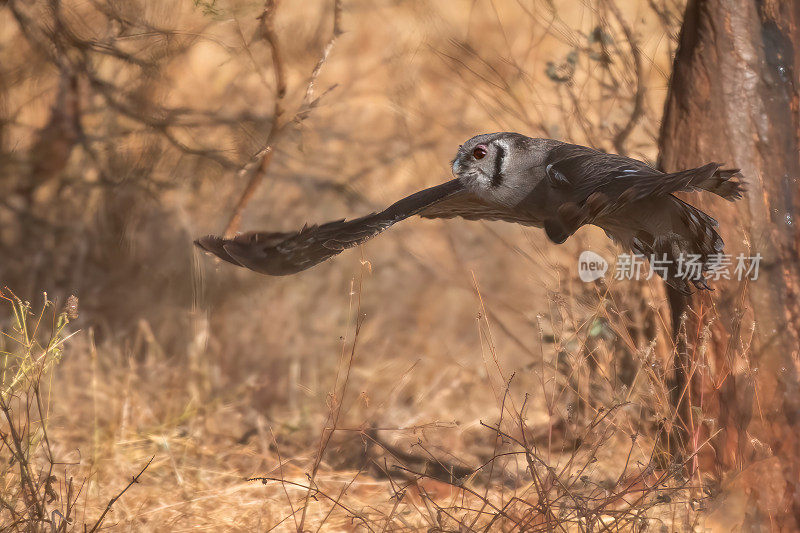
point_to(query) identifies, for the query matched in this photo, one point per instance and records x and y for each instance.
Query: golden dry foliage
(449, 375)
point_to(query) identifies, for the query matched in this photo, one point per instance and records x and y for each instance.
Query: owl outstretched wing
(279, 254)
(468, 206)
(623, 179)
(601, 183)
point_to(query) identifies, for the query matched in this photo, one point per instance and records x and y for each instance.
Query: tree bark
(734, 99)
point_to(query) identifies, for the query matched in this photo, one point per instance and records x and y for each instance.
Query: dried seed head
(72, 307)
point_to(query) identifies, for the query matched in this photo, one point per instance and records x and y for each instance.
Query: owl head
(495, 166)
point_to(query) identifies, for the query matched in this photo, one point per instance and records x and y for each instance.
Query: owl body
(534, 182)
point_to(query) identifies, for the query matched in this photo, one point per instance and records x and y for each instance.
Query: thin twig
(638, 100)
(332, 421)
(337, 31)
(266, 479)
(113, 500)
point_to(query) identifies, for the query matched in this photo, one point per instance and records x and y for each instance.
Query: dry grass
(448, 376)
(568, 442)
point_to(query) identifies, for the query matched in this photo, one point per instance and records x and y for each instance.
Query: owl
(536, 182)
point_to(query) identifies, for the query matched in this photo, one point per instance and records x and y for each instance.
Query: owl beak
(456, 167)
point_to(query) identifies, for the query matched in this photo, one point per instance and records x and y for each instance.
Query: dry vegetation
(449, 376)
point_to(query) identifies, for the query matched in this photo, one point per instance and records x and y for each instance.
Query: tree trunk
(734, 99)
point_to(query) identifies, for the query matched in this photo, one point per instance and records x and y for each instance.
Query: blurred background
(128, 129)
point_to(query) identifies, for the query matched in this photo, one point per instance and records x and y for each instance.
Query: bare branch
(259, 165)
(638, 100)
(337, 30)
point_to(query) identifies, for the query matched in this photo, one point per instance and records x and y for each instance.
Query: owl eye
(479, 152)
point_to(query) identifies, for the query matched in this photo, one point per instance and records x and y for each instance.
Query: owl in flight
(534, 182)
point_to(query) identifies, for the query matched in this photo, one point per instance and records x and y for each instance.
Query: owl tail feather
(682, 254)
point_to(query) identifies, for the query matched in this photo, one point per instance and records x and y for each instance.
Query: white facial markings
(507, 149)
